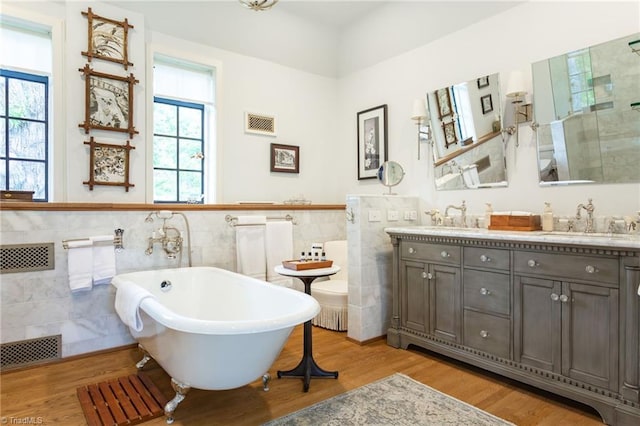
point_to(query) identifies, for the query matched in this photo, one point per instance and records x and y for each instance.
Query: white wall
(506, 42)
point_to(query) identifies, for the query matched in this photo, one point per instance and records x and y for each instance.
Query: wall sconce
(258, 5)
(522, 112)
(420, 116)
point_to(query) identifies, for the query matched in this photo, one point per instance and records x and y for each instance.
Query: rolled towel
(80, 265)
(104, 260)
(129, 296)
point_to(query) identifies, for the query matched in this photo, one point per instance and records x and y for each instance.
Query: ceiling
(331, 38)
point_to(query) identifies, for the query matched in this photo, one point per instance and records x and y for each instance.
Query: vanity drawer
(487, 291)
(438, 253)
(487, 333)
(479, 257)
(588, 268)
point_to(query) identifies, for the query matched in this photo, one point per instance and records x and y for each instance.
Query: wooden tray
(16, 195)
(298, 265)
(515, 223)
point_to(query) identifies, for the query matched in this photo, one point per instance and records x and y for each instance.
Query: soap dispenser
(547, 218)
(487, 215)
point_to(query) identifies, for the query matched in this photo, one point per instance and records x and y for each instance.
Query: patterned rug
(394, 400)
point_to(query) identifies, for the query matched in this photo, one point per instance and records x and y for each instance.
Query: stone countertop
(618, 241)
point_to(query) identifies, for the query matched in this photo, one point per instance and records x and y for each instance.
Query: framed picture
(444, 102)
(285, 158)
(449, 130)
(487, 104)
(108, 164)
(483, 82)
(108, 102)
(372, 141)
(107, 39)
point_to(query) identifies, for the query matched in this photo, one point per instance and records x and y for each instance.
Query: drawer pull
(484, 334)
(591, 269)
(485, 258)
(484, 291)
(412, 250)
(554, 297)
(532, 263)
(444, 253)
(564, 298)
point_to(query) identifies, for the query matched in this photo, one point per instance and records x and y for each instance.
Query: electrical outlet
(393, 215)
(407, 215)
(413, 215)
(375, 216)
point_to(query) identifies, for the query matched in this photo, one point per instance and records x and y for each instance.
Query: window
(178, 147)
(580, 80)
(183, 142)
(24, 126)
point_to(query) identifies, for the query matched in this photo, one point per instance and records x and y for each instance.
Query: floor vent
(30, 352)
(260, 124)
(26, 257)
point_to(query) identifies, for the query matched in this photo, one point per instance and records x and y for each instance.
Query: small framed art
(285, 158)
(449, 130)
(108, 164)
(108, 102)
(107, 39)
(487, 104)
(483, 82)
(444, 102)
(372, 141)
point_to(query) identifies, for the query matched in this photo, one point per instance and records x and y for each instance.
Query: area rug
(394, 400)
(127, 400)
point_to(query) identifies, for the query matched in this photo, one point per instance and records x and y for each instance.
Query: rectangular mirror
(467, 141)
(588, 130)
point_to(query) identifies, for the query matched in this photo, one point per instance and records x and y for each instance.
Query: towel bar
(117, 240)
(232, 220)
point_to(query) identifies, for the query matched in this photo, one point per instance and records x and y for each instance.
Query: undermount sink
(598, 235)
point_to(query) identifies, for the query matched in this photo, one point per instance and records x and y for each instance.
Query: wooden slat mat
(127, 400)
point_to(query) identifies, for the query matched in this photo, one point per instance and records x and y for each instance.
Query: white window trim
(212, 160)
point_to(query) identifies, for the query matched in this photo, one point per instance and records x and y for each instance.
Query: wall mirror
(467, 142)
(587, 106)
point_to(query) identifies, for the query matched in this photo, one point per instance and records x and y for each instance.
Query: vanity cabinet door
(568, 328)
(445, 302)
(414, 296)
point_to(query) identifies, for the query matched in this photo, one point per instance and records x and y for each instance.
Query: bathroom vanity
(557, 311)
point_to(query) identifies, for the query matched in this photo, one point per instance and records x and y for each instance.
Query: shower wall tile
(37, 304)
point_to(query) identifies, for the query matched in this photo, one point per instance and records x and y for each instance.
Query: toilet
(332, 294)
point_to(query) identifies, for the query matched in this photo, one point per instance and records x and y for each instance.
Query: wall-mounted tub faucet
(169, 237)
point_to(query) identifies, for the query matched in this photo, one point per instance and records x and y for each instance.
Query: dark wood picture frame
(285, 158)
(108, 102)
(107, 39)
(483, 82)
(372, 141)
(487, 104)
(449, 130)
(443, 98)
(108, 164)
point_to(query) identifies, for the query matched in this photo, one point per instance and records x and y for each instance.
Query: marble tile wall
(370, 260)
(36, 304)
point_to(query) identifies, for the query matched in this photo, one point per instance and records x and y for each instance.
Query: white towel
(128, 299)
(80, 265)
(250, 246)
(104, 260)
(278, 247)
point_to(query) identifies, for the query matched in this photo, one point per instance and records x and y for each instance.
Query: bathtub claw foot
(266, 378)
(145, 358)
(181, 391)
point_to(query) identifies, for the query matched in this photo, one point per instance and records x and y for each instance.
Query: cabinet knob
(484, 334)
(444, 253)
(412, 250)
(425, 275)
(485, 258)
(532, 263)
(554, 297)
(564, 298)
(591, 269)
(484, 291)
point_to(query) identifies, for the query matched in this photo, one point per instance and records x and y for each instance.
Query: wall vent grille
(260, 124)
(29, 352)
(26, 257)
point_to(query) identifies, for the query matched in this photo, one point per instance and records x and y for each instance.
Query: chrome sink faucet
(589, 208)
(463, 213)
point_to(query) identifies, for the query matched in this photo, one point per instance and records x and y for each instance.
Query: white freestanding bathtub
(213, 329)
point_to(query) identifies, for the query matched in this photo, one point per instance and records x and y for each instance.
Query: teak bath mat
(127, 400)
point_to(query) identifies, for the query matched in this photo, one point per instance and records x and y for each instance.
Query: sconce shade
(419, 110)
(515, 85)
(258, 5)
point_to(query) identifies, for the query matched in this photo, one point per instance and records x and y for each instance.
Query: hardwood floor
(49, 392)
